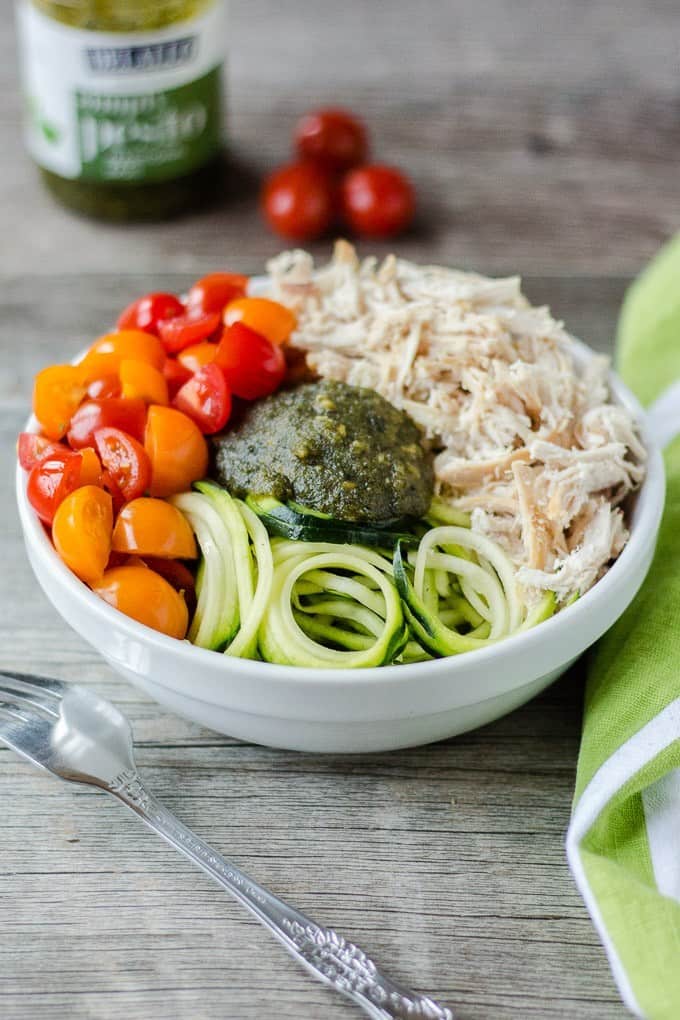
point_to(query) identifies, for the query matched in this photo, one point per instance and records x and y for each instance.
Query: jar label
(137, 107)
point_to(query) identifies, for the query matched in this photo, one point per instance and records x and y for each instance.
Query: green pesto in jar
(125, 126)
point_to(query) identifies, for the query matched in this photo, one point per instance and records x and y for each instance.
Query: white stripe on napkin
(662, 814)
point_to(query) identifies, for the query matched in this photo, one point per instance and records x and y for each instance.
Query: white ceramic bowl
(354, 710)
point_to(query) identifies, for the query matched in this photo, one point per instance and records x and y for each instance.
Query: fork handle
(327, 955)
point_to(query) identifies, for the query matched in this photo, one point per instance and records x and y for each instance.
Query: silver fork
(78, 736)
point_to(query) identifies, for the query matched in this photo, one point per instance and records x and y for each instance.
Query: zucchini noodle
(338, 604)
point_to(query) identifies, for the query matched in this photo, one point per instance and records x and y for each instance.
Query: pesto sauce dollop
(343, 450)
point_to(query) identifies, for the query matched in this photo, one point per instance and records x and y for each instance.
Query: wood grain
(544, 138)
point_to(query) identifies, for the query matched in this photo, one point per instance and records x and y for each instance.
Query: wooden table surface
(544, 138)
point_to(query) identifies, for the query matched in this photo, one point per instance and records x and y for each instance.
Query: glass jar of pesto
(123, 102)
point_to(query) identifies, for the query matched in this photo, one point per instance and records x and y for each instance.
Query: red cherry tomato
(32, 448)
(251, 365)
(125, 461)
(334, 138)
(213, 292)
(181, 332)
(377, 201)
(298, 201)
(176, 374)
(51, 480)
(205, 399)
(128, 414)
(104, 386)
(147, 312)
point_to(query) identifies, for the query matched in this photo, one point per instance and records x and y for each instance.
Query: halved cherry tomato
(175, 374)
(252, 367)
(176, 574)
(206, 399)
(147, 312)
(152, 527)
(139, 379)
(32, 448)
(178, 451)
(90, 467)
(270, 319)
(212, 293)
(128, 415)
(334, 138)
(81, 532)
(104, 386)
(176, 334)
(51, 480)
(125, 461)
(145, 596)
(57, 392)
(106, 353)
(198, 355)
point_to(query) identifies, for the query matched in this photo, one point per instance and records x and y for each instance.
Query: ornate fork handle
(327, 955)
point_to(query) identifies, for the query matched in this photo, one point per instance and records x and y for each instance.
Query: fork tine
(30, 684)
(11, 712)
(43, 705)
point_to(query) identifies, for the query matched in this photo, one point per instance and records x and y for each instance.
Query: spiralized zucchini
(334, 605)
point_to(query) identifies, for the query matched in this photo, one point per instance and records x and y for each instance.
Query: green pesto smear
(342, 450)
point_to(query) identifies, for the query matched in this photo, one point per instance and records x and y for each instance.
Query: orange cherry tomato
(195, 357)
(90, 467)
(176, 574)
(270, 319)
(145, 596)
(178, 451)
(213, 292)
(57, 392)
(81, 532)
(152, 527)
(103, 387)
(140, 379)
(106, 353)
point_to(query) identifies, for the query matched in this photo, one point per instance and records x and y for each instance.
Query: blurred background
(542, 136)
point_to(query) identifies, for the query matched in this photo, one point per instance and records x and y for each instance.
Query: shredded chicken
(525, 440)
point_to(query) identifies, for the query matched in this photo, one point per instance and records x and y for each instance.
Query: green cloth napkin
(623, 843)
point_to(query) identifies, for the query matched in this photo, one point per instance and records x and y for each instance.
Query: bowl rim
(643, 528)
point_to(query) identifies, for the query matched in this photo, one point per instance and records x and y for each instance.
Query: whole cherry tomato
(298, 201)
(32, 448)
(175, 374)
(116, 412)
(57, 392)
(272, 320)
(106, 354)
(147, 312)
(195, 357)
(251, 365)
(125, 461)
(152, 527)
(176, 334)
(139, 379)
(81, 532)
(145, 596)
(104, 386)
(205, 399)
(334, 138)
(212, 293)
(51, 480)
(178, 451)
(377, 201)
